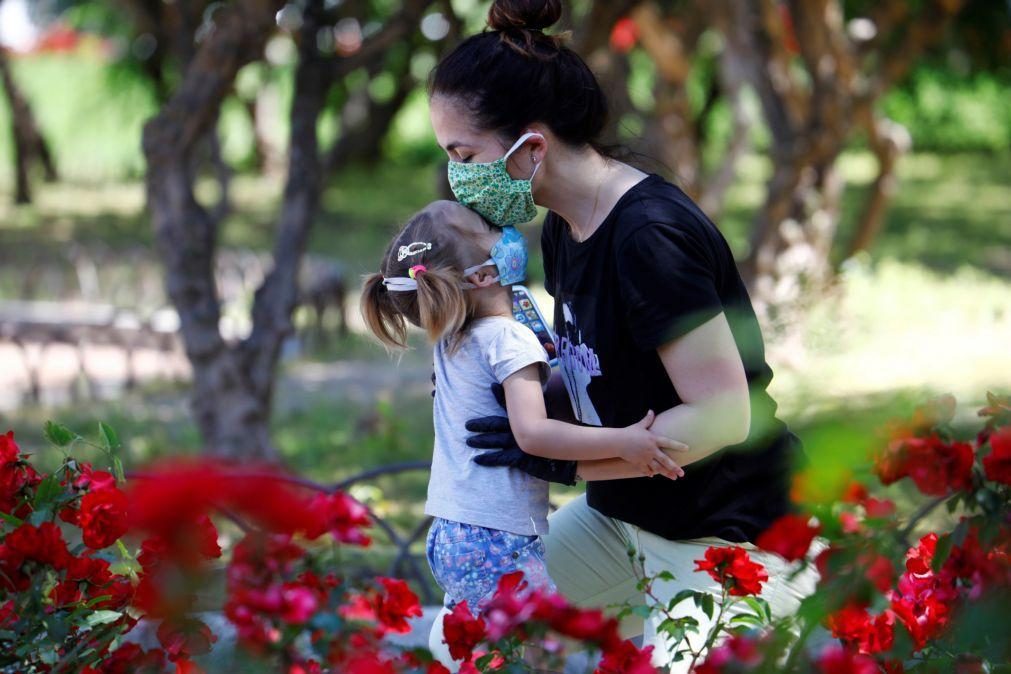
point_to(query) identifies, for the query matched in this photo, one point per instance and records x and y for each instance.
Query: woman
(650, 313)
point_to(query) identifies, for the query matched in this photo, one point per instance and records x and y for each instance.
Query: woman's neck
(582, 186)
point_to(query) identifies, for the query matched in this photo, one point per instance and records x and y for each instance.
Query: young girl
(437, 275)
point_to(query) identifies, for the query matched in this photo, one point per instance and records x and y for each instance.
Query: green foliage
(948, 112)
(91, 117)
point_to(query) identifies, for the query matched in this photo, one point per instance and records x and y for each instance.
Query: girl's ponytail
(381, 316)
(442, 307)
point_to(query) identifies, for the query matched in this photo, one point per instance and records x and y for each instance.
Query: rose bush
(84, 557)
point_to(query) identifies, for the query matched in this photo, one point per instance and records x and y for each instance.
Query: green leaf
(48, 654)
(485, 660)
(10, 519)
(666, 575)
(641, 611)
(681, 596)
(760, 607)
(47, 491)
(103, 617)
(108, 435)
(98, 600)
(747, 619)
(56, 627)
(941, 552)
(708, 605)
(58, 434)
(117, 469)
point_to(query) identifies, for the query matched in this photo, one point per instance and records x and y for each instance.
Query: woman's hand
(646, 450)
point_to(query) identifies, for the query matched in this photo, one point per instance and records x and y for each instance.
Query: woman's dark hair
(514, 74)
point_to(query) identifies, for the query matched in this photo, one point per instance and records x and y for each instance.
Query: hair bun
(529, 14)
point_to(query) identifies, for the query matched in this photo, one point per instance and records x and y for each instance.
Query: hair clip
(415, 270)
(413, 249)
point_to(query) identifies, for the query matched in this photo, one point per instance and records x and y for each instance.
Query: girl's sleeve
(514, 348)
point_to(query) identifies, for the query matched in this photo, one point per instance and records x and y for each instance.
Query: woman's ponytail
(442, 307)
(381, 316)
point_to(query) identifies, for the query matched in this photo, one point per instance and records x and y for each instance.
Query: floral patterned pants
(467, 561)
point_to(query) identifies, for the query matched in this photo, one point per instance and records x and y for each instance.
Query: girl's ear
(484, 277)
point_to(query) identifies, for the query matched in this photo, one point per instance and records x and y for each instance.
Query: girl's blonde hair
(439, 306)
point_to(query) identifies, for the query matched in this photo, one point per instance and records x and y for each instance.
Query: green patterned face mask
(491, 191)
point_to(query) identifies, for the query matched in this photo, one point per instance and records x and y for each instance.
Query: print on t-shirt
(579, 364)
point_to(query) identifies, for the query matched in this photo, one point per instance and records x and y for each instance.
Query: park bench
(89, 295)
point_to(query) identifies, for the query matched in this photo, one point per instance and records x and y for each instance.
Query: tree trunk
(888, 141)
(233, 383)
(230, 412)
(29, 144)
(671, 128)
(810, 119)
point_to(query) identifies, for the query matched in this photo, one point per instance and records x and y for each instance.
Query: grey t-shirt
(460, 490)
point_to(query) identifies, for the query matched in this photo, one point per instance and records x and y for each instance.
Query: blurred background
(190, 191)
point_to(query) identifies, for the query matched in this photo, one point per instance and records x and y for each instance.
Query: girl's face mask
(509, 255)
(489, 189)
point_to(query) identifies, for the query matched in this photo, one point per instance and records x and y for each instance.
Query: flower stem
(919, 514)
(713, 632)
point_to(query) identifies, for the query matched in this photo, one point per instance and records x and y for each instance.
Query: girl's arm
(538, 435)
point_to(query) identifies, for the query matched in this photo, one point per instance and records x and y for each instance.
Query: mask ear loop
(522, 139)
(471, 270)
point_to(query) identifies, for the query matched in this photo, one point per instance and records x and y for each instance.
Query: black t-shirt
(654, 270)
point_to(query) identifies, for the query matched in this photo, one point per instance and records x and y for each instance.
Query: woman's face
(451, 121)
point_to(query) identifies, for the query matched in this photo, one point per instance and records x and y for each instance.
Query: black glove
(494, 433)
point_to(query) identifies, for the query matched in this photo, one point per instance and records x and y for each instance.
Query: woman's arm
(538, 435)
(705, 368)
(607, 469)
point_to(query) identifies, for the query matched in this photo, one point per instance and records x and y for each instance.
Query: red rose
(626, 658)
(184, 638)
(397, 605)
(997, 464)
(131, 659)
(342, 516)
(920, 558)
(836, 660)
(738, 649)
(9, 450)
(789, 537)
(878, 569)
(462, 631)
(368, 663)
(878, 508)
(15, 476)
(855, 627)
(65, 593)
(93, 480)
(119, 593)
(924, 617)
(43, 544)
(733, 568)
(624, 35)
(937, 467)
(103, 518)
(7, 616)
(89, 569)
(300, 603)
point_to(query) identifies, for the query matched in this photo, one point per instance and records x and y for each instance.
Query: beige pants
(588, 560)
